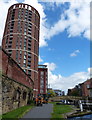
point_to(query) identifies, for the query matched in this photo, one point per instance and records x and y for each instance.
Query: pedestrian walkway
(40, 112)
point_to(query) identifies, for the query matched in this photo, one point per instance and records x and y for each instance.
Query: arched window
(24, 95)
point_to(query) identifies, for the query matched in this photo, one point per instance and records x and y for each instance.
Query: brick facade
(84, 89)
(16, 85)
(87, 88)
(12, 70)
(21, 38)
(42, 79)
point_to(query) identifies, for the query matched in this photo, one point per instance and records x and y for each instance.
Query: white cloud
(40, 59)
(90, 72)
(77, 22)
(50, 49)
(4, 5)
(64, 83)
(51, 66)
(75, 53)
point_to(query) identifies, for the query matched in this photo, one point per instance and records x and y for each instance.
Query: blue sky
(61, 46)
(64, 40)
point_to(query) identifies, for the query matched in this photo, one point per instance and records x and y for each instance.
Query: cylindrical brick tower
(21, 38)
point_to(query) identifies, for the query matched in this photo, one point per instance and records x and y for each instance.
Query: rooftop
(42, 66)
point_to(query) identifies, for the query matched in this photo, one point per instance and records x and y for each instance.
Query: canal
(85, 117)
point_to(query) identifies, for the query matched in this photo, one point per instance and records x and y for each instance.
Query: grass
(59, 110)
(17, 113)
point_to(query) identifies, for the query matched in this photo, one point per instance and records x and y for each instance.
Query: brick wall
(86, 87)
(14, 71)
(16, 84)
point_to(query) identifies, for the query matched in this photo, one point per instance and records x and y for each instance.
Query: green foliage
(51, 93)
(30, 102)
(59, 110)
(17, 113)
(75, 93)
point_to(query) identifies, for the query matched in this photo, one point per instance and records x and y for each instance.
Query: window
(17, 55)
(26, 6)
(20, 44)
(25, 70)
(26, 24)
(11, 38)
(25, 37)
(20, 52)
(29, 54)
(30, 17)
(10, 52)
(10, 42)
(17, 44)
(26, 11)
(29, 30)
(24, 95)
(29, 72)
(30, 13)
(6, 41)
(14, 7)
(22, 6)
(29, 44)
(25, 30)
(29, 59)
(24, 44)
(24, 56)
(42, 73)
(9, 46)
(25, 33)
(29, 63)
(88, 86)
(19, 6)
(30, 24)
(11, 29)
(29, 8)
(24, 61)
(24, 65)
(19, 22)
(25, 53)
(24, 47)
(29, 39)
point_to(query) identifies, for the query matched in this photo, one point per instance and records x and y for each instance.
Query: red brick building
(42, 79)
(87, 88)
(21, 38)
(84, 89)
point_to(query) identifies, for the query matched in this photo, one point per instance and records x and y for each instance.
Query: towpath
(40, 112)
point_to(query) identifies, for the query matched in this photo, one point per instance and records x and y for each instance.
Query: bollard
(81, 106)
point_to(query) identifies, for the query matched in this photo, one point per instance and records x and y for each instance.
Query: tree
(51, 93)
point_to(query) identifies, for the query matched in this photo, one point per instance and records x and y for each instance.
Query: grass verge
(17, 113)
(59, 110)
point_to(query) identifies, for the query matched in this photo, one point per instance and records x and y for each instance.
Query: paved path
(40, 112)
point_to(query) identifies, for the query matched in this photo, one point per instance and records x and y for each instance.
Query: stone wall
(14, 94)
(15, 85)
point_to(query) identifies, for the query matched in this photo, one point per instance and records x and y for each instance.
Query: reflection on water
(85, 117)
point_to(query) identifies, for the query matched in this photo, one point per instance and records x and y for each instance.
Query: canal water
(85, 117)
